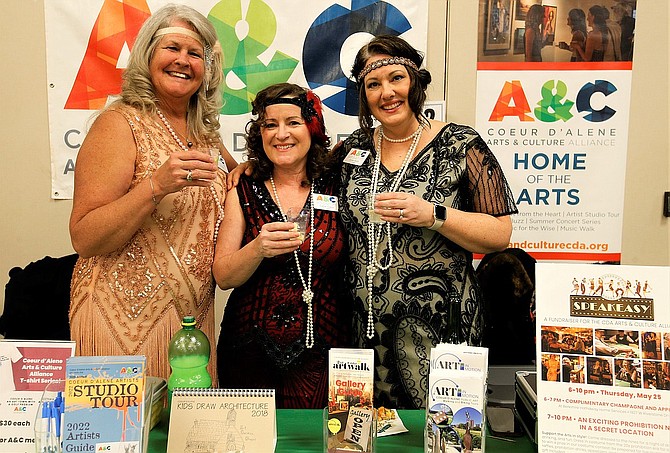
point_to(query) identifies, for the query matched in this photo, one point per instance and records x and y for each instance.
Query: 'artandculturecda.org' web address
(553, 245)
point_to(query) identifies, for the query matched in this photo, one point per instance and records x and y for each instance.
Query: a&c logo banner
(264, 42)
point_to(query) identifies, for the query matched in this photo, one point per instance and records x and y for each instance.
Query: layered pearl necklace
(374, 234)
(219, 207)
(307, 293)
(173, 132)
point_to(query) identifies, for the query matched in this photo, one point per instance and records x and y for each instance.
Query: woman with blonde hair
(148, 196)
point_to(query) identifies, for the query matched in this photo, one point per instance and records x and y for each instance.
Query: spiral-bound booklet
(237, 420)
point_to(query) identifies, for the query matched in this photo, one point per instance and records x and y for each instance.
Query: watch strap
(438, 222)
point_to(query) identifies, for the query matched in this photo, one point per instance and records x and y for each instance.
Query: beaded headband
(307, 109)
(385, 62)
(179, 31)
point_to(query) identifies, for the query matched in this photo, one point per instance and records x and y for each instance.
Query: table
(300, 431)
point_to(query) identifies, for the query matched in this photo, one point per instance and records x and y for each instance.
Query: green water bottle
(188, 355)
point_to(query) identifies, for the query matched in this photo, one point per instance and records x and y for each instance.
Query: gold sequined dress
(132, 301)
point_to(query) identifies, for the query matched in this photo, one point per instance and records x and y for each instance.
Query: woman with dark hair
(288, 306)
(596, 40)
(577, 23)
(148, 196)
(440, 195)
(533, 34)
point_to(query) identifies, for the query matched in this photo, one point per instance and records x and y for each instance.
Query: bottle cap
(188, 321)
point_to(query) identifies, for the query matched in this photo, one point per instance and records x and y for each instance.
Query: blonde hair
(138, 90)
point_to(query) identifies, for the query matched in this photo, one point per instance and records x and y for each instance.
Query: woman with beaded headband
(439, 195)
(148, 196)
(288, 306)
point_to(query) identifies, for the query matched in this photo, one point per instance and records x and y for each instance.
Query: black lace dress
(262, 340)
(430, 295)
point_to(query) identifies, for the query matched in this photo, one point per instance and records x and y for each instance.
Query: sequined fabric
(262, 340)
(430, 295)
(132, 301)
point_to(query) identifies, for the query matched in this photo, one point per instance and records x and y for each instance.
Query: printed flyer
(603, 348)
(29, 370)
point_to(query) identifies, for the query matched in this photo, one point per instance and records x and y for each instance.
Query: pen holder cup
(349, 429)
(49, 417)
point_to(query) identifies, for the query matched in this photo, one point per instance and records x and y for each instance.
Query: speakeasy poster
(603, 356)
(557, 120)
(264, 42)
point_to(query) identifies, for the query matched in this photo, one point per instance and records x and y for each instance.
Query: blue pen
(59, 405)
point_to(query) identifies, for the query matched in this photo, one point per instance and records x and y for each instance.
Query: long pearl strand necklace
(173, 132)
(307, 293)
(219, 207)
(374, 237)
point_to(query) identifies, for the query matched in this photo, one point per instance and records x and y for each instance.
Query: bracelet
(153, 193)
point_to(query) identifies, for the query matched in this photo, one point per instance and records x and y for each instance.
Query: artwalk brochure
(603, 348)
(350, 416)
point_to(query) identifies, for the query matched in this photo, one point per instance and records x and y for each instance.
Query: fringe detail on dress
(96, 340)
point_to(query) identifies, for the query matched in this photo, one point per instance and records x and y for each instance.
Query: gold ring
(401, 214)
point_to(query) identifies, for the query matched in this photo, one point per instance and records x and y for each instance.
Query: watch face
(440, 212)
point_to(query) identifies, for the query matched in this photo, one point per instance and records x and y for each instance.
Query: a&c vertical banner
(553, 95)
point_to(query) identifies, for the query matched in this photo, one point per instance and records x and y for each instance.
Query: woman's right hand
(277, 238)
(184, 169)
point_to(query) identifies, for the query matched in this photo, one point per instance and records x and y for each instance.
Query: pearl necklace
(400, 140)
(307, 293)
(374, 237)
(173, 132)
(219, 207)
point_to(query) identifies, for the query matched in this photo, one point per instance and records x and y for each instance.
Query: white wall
(35, 225)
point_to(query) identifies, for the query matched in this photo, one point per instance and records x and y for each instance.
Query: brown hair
(393, 46)
(318, 159)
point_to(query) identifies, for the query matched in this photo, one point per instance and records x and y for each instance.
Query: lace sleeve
(487, 187)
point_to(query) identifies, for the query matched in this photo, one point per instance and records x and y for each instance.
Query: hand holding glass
(370, 203)
(300, 221)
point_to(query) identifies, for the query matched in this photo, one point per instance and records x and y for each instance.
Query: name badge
(325, 202)
(356, 156)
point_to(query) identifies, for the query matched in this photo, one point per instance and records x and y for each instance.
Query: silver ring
(401, 214)
(189, 175)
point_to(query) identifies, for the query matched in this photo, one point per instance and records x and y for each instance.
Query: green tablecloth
(300, 430)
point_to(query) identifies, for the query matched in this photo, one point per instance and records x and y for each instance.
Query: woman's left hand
(404, 208)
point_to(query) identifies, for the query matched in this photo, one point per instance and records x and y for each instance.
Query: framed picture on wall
(519, 44)
(549, 25)
(498, 25)
(522, 8)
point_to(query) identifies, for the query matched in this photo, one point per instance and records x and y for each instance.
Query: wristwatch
(440, 214)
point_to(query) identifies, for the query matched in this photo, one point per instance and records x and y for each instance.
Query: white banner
(557, 119)
(561, 138)
(603, 350)
(310, 43)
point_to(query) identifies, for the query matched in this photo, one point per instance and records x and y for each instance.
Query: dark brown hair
(393, 46)
(318, 159)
